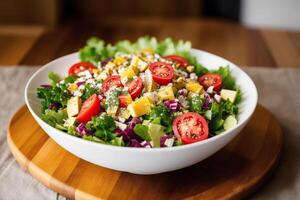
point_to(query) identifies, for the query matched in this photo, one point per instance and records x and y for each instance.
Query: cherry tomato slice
(90, 108)
(190, 127)
(123, 101)
(208, 80)
(162, 73)
(81, 66)
(110, 82)
(135, 87)
(177, 59)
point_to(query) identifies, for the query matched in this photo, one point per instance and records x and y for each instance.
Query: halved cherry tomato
(110, 82)
(208, 80)
(162, 73)
(177, 59)
(190, 127)
(123, 101)
(81, 66)
(135, 87)
(90, 108)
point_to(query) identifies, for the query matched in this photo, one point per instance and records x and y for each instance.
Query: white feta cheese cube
(228, 94)
(73, 106)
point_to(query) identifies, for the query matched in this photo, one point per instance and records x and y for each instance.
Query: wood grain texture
(16, 41)
(232, 173)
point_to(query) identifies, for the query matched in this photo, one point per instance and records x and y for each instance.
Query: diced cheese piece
(228, 94)
(134, 64)
(139, 107)
(73, 106)
(70, 121)
(166, 93)
(72, 87)
(194, 87)
(150, 84)
(112, 110)
(127, 74)
(119, 60)
(230, 122)
(123, 113)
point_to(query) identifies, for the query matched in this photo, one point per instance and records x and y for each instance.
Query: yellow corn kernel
(72, 87)
(119, 60)
(194, 87)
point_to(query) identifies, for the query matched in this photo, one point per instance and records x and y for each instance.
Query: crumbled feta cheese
(169, 142)
(210, 89)
(121, 119)
(85, 74)
(81, 87)
(179, 72)
(78, 93)
(144, 143)
(121, 125)
(91, 80)
(182, 100)
(193, 76)
(217, 98)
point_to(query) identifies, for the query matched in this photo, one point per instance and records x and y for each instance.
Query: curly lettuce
(97, 50)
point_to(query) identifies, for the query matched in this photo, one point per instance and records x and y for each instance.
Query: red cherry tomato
(177, 59)
(162, 73)
(90, 108)
(208, 80)
(135, 87)
(190, 127)
(81, 66)
(110, 82)
(123, 101)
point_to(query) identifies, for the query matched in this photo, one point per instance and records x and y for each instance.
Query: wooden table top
(34, 45)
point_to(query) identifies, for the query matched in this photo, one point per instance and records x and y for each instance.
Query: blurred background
(248, 32)
(269, 13)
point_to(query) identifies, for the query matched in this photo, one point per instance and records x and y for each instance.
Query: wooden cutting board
(232, 173)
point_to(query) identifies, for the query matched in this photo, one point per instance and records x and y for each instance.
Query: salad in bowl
(145, 94)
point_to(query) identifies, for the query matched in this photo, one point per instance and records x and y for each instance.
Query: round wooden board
(232, 173)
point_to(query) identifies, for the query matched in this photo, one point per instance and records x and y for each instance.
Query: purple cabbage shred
(47, 86)
(206, 104)
(82, 130)
(80, 83)
(163, 140)
(54, 106)
(173, 105)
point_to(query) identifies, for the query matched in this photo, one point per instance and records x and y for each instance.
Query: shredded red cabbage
(128, 133)
(173, 105)
(82, 130)
(163, 140)
(54, 106)
(80, 83)
(135, 143)
(46, 86)
(207, 101)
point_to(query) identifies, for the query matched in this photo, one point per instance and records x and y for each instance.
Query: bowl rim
(138, 149)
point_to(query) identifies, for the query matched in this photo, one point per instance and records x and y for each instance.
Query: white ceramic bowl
(143, 160)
